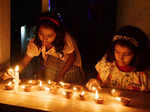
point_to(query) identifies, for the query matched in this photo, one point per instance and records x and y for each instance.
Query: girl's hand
(93, 85)
(32, 50)
(6, 76)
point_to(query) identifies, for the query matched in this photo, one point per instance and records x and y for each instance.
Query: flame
(74, 88)
(96, 95)
(10, 83)
(118, 98)
(64, 92)
(49, 81)
(23, 86)
(17, 68)
(113, 91)
(82, 93)
(40, 83)
(61, 83)
(46, 89)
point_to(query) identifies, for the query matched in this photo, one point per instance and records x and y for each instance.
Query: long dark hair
(140, 60)
(54, 24)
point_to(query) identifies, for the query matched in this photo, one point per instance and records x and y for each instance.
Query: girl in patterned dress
(53, 53)
(121, 66)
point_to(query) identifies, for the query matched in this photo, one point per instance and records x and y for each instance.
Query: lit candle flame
(47, 89)
(61, 83)
(23, 86)
(9, 84)
(49, 81)
(118, 98)
(17, 68)
(82, 93)
(64, 92)
(74, 88)
(96, 95)
(40, 83)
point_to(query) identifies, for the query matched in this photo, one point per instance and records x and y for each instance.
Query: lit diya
(41, 87)
(82, 97)
(9, 86)
(32, 82)
(123, 100)
(65, 85)
(98, 100)
(77, 88)
(27, 88)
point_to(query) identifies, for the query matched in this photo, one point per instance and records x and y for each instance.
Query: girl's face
(123, 55)
(46, 35)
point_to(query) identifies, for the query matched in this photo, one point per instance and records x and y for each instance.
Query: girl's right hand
(32, 50)
(93, 85)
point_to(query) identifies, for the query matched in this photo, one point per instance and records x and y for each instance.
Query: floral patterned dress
(110, 74)
(49, 63)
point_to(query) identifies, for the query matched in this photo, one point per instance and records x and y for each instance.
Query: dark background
(91, 22)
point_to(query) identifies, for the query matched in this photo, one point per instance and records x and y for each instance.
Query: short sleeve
(68, 48)
(103, 68)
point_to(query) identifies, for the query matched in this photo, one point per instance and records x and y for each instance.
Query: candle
(98, 100)
(123, 100)
(46, 89)
(82, 95)
(41, 85)
(16, 78)
(77, 88)
(68, 94)
(9, 86)
(65, 85)
(28, 88)
(32, 82)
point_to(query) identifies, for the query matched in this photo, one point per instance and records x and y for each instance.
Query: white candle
(16, 78)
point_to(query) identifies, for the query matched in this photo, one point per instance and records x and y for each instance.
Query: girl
(121, 67)
(54, 52)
